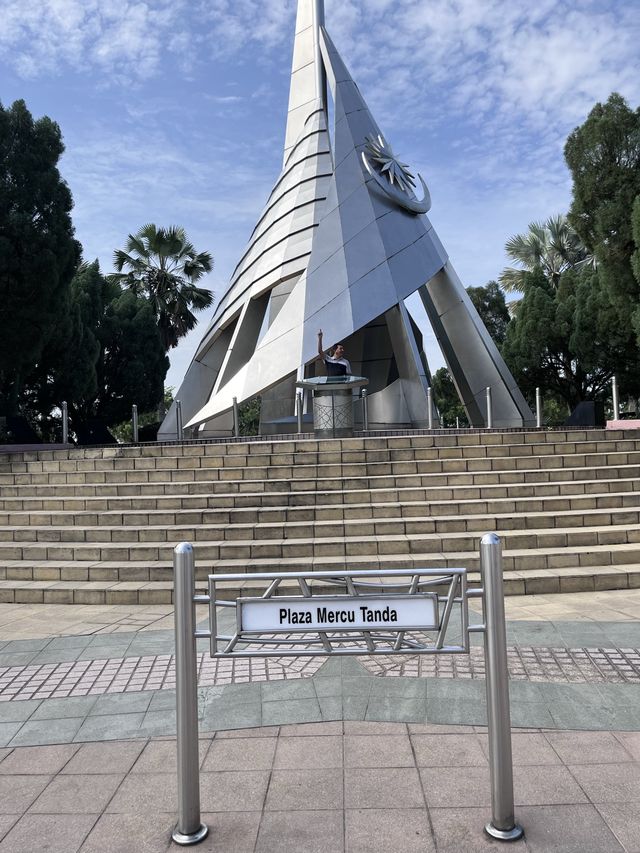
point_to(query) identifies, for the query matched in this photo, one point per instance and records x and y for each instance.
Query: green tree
(603, 155)
(123, 431)
(552, 246)
(490, 304)
(568, 339)
(635, 227)
(446, 399)
(133, 364)
(38, 252)
(249, 416)
(106, 356)
(163, 265)
(67, 369)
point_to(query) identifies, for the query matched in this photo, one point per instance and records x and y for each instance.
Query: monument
(343, 240)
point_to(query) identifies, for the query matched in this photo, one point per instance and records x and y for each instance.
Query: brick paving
(348, 787)
(157, 672)
(134, 674)
(526, 663)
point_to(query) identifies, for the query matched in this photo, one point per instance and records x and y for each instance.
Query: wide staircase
(97, 526)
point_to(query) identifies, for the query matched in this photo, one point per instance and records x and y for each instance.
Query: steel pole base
(194, 838)
(504, 834)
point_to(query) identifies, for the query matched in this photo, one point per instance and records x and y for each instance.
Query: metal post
(502, 825)
(179, 427)
(538, 408)
(489, 409)
(134, 423)
(65, 423)
(236, 418)
(430, 407)
(189, 829)
(299, 405)
(616, 399)
(365, 410)
(457, 423)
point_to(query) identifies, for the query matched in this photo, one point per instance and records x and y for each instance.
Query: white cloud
(124, 38)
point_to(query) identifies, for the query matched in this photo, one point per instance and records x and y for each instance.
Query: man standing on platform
(336, 363)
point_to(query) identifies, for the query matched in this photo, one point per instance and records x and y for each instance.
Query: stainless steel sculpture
(341, 243)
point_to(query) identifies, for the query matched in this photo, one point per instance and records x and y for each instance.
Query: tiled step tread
(102, 507)
(349, 543)
(523, 560)
(310, 444)
(108, 518)
(306, 446)
(329, 471)
(161, 592)
(252, 488)
(459, 524)
(226, 466)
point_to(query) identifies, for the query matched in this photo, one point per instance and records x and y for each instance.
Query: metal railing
(502, 826)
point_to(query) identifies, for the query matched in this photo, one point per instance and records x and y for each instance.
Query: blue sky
(173, 111)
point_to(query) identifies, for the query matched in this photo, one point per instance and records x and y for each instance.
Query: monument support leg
(471, 355)
(412, 370)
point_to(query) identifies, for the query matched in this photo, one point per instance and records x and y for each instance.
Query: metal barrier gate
(410, 612)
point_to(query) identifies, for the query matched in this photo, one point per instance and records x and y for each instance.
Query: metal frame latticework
(428, 583)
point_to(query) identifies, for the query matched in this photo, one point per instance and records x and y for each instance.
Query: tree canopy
(446, 399)
(603, 155)
(490, 304)
(162, 264)
(105, 357)
(568, 340)
(552, 246)
(38, 252)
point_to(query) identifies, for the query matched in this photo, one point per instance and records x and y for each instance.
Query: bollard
(430, 407)
(489, 409)
(299, 406)
(365, 410)
(538, 408)
(236, 418)
(134, 423)
(502, 825)
(65, 423)
(457, 423)
(616, 399)
(189, 829)
(179, 427)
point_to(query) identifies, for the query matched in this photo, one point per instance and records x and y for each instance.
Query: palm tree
(552, 245)
(162, 264)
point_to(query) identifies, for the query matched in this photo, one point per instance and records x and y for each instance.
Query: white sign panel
(339, 613)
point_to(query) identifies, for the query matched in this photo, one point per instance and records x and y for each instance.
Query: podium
(333, 403)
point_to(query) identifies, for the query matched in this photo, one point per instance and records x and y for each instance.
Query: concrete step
(523, 550)
(284, 522)
(246, 472)
(99, 525)
(128, 508)
(437, 524)
(567, 579)
(445, 443)
(11, 495)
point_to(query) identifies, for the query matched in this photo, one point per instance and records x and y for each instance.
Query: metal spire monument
(341, 243)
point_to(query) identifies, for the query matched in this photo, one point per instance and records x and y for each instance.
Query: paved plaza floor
(299, 755)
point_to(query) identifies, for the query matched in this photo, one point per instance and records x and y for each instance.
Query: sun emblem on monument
(400, 182)
(397, 172)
